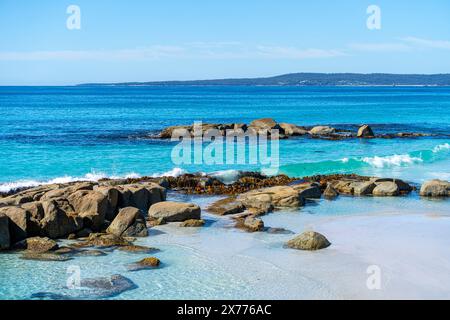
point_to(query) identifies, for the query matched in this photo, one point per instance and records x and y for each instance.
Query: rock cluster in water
(285, 130)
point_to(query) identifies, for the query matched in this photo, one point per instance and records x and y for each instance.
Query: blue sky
(139, 40)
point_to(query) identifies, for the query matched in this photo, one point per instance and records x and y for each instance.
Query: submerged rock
(309, 240)
(174, 211)
(44, 256)
(145, 264)
(91, 289)
(192, 223)
(226, 206)
(138, 249)
(435, 188)
(102, 240)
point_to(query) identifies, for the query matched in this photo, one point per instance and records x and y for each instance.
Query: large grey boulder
(279, 196)
(363, 188)
(112, 197)
(386, 189)
(91, 206)
(174, 211)
(57, 223)
(129, 222)
(21, 224)
(141, 196)
(309, 240)
(435, 188)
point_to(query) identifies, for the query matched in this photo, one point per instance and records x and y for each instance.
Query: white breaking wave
(345, 160)
(175, 172)
(93, 176)
(389, 161)
(441, 147)
(226, 176)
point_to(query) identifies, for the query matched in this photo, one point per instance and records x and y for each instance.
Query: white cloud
(380, 47)
(426, 43)
(295, 53)
(193, 50)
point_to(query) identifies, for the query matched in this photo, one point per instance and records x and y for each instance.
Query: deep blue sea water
(69, 133)
(87, 132)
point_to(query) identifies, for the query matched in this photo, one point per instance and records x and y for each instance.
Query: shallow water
(406, 237)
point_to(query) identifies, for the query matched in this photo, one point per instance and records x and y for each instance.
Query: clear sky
(146, 40)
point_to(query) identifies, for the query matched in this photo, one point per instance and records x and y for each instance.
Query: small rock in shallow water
(279, 231)
(250, 223)
(309, 240)
(192, 223)
(145, 264)
(46, 256)
(138, 249)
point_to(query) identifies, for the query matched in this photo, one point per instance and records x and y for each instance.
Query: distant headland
(308, 79)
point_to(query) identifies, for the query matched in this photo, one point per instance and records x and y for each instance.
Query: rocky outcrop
(365, 131)
(174, 211)
(63, 210)
(129, 222)
(309, 240)
(5, 240)
(435, 188)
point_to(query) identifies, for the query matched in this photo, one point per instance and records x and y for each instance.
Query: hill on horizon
(307, 79)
